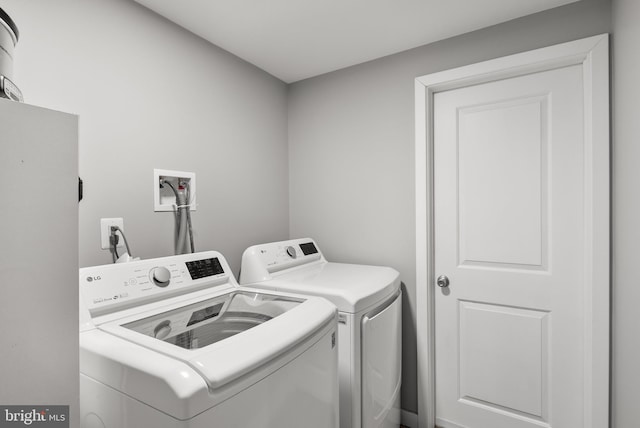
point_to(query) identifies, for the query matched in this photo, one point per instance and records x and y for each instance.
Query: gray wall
(351, 147)
(626, 212)
(350, 156)
(113, 63)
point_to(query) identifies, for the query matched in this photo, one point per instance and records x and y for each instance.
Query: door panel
(514, 379)
(498, 140)
(509, 197)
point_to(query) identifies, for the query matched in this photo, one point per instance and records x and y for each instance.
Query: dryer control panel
(259, 262)
(109, 288)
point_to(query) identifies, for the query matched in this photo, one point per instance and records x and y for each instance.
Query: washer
(174, 343)
(369, 328)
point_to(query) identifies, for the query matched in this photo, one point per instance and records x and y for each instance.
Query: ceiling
(297, 39)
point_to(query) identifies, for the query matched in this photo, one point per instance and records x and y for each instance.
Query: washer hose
(183, 219)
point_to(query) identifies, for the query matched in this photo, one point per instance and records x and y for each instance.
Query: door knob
(442, 281)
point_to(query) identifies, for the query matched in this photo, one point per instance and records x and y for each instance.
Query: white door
(509, 197)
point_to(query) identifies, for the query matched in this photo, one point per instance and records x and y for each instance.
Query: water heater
(8, 39)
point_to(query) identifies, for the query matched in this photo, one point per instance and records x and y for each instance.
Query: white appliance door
(510, 198)
(382, 366)
(39, 256)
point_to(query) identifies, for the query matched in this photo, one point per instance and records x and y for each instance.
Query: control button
(162, 330)
(161, 276)
(292, 252)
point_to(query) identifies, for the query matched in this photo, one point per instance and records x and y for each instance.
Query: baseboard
(446, 424)
(409, 419)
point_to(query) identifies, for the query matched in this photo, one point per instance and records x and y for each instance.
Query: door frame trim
(593, 54)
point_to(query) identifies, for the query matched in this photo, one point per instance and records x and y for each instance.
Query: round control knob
(162, 330)
(292, 252)
(161, 276)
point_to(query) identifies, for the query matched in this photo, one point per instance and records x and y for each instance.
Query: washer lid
(212, 320)
(183, 378)
(350, 287)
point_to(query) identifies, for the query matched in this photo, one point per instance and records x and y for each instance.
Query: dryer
(174, 342)
(369, 302)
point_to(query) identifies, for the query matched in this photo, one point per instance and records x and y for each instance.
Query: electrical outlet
(105, 231)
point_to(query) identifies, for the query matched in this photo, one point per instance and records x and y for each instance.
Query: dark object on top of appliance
(8, 39)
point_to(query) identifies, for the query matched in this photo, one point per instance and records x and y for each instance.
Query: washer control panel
(204, 268)
(108, 288)
(260, 261)
(288, 254)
